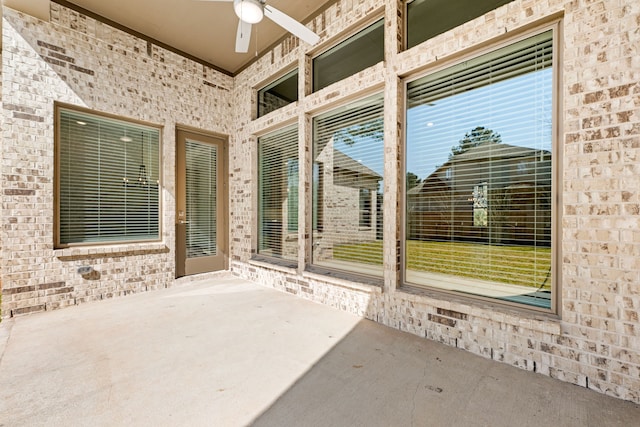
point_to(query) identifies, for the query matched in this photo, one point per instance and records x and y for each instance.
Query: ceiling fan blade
(243, 37)
(291, 25)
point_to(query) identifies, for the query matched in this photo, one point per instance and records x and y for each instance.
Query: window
(349, 57)
(202, 162)
(480, 205)
(479, 175)
(428, 18)
(107, 179)
(318, 191)
(278, 194)
(292, 199)
(348, 153)
(365, 207)
(282, 92)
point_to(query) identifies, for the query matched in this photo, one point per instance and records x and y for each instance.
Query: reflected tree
(372, 129)
(412, 180)
(479, 135)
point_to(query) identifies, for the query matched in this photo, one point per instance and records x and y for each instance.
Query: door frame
(182, 133)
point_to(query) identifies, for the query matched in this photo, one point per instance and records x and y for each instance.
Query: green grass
(368, 253)
(517, 265)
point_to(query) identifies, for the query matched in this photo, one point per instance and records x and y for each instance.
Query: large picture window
(479, 201)
(107, 179)
(348, 153)
(278, 194)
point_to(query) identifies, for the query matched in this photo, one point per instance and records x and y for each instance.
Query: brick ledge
(89, 251)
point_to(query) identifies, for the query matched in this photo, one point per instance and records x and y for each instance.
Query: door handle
(182, 221)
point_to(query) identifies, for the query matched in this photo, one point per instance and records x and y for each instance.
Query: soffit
(205, 30)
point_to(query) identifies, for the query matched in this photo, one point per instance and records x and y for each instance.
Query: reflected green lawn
(517, 265)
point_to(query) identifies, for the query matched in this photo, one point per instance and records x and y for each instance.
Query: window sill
(110, 250)
(284, 266)
(526, 296)
(344, 279)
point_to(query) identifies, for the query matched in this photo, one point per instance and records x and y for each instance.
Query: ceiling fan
(252, 11)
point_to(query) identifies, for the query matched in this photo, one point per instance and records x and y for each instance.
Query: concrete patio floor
(227, 352)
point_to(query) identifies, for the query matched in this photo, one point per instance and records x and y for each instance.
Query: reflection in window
(347, 189)
(349, 57)
(108, 178)
(318, 191)
(292, 195)
(479, 199)
(278, 194)
(365, 207)
(428, 18)
(282, 92)
(479, 144)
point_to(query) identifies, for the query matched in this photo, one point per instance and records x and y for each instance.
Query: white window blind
(278, 194)
(108, 176)
(479, 175)
(201, 197)
(348, 151)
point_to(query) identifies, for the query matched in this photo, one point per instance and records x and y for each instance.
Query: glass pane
(278, 194)
(201, 197)
(349, 57)
(479, 162)
(365, 207)
(348, 172)
(109, 179)
(428, 18)
(292, 192)
(282, 92)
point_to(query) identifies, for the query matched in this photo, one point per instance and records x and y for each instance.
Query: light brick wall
(593, 341)
(77, 60)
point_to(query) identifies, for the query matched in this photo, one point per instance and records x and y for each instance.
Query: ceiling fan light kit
(252, 11)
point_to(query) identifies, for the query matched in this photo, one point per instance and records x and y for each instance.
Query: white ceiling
(203, 29)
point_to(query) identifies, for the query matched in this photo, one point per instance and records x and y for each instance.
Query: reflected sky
(519, 109)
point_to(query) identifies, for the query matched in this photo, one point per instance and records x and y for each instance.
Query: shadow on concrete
(377, 376)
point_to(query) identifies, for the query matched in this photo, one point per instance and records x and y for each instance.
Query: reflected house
(348, 202)
(493, 193)
(349, 208)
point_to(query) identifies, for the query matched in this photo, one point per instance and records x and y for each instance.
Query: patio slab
(228, 352)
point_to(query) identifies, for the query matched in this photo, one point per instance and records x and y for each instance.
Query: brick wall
(80, 61)
(593, 339)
